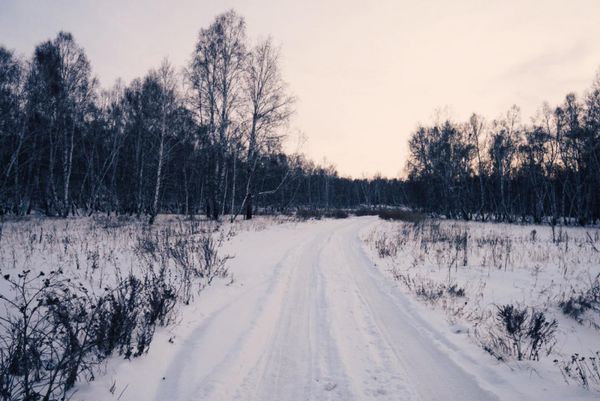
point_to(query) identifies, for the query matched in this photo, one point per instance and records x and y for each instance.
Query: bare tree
(476, 127)
(502, 150)
(270, 108)
(164, 95)
(102, 147)
(60, 95)
(216, 74)
(12, 128)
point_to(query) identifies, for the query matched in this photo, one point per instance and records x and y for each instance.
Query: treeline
(545, 171)
(206, 140)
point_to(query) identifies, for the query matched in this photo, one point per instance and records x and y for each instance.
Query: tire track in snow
(372, 369)
(320, 326)
(252, 362)
(190, 378)
(414, 358)
(302, 362)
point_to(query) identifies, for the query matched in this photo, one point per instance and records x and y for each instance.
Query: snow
(310, 312)
(532, 272)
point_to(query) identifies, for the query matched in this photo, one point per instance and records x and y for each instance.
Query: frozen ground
(462, 273)
(312, 313)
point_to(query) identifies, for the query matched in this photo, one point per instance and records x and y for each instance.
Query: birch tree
(162, 101)
(60, 95)
(12, 133)
(270, 107)
(216, 74)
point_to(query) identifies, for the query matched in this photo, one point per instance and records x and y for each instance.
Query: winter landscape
(269, 203)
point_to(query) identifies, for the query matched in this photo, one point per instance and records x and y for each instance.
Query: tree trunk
(161, 151)
(233, 185)
(139, 155)
(67, 168)
(249, 207)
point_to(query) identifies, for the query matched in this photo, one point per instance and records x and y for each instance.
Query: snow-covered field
(310, 311)
(464, 273)
(96, 251)
(76, 291)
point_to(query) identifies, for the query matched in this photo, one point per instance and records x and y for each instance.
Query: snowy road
(307, 318)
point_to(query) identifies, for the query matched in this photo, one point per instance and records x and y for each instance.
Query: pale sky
(365, 72)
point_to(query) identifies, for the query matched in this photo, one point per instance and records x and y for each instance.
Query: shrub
(160, 296)
(305, 214)
(576, 305)
(429, 291)
(521, 333)
(402, 215)
(54, 331)
(44, 336)
(116, 319)
(512, 322)
(582, 370)
(385, 246)
(540, 332)
(455, 291)
(213, 265)
(366, 212)
(336, 214)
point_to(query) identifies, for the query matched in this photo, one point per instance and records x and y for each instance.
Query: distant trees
(506, 170)
(269, 108)
(207, 140)
(216, 75)
(210, 139)
(60, 94)
(163, 105)
(12, 132)
(441, 156)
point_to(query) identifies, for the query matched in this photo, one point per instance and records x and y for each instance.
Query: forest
(209, 138)
(504, 170)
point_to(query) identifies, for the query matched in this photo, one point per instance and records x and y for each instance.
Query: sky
(365, 73)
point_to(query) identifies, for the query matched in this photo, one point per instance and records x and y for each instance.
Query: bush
(522, 334)
(402, 215)
(385, 246)
(117, 319)
(455, 291)
(429, 291)
(577, 305)
(44, 336)
(54, 331)
(366, 212)
(582, 370)
(336, 214)
(305, 214)
(540, 332)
